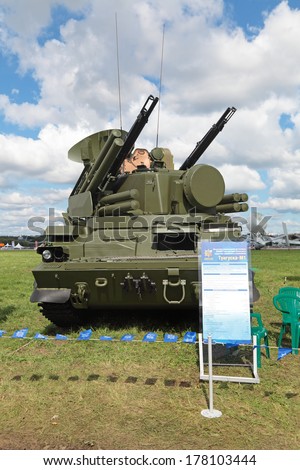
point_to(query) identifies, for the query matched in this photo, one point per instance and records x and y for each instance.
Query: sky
(59, 83)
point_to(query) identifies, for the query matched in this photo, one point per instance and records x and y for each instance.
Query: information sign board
(225, 292)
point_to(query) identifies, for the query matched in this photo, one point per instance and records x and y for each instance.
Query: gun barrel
(207, 139)
(131, 138)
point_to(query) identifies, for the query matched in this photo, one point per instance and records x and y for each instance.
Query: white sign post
(210, 412)
(226, 301)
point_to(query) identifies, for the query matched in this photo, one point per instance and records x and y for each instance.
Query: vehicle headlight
(47, 255)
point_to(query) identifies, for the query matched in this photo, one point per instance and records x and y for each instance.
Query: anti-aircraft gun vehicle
(132, 227)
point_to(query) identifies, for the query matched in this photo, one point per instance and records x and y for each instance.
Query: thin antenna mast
(118, 68)
(160, 82)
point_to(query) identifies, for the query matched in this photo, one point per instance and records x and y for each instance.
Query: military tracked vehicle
(132, 228)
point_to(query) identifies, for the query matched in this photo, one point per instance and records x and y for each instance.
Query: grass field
(95, 395)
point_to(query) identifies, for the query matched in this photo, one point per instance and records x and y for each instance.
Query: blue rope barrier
(190, 337)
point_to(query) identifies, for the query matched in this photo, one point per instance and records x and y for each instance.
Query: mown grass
(95, 395)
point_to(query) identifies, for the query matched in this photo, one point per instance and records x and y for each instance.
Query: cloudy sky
(59, 83)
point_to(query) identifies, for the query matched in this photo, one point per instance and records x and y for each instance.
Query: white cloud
(16, 199)
(240, 178)
(37, 203)
(32, 213)
(27, 19)
(285, 183)
(44, 158)
(281, 204)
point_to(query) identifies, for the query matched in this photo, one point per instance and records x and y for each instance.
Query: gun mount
(132, 227)
(207, 139)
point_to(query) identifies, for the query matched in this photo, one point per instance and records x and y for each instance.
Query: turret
(116, 180)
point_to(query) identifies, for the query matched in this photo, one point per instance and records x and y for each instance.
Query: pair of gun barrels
(120, 144)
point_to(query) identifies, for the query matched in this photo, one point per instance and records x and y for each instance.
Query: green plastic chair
(290, 290)
(289, 306)
(261, 333)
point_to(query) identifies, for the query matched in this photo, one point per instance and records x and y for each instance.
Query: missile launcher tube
(122, 196)
(235, 197)
(103, 169)
(119, 208)
(232, 207)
